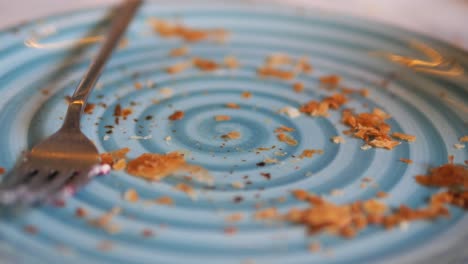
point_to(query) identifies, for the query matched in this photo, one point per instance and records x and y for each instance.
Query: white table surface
(443, 19)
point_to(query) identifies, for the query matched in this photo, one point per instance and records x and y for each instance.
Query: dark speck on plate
(238, 199)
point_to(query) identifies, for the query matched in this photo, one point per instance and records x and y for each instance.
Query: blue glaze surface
(192, 231)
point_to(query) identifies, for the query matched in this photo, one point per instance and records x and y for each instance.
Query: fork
(67, 160)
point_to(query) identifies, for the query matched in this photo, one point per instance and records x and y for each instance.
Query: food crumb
(464, 139)
(232, 105)
(381, 194)
(402, 136)
(330, 80)
(290, 111)
(147, 232)
(231, 62)
(177, 115)
(230, 230)
(180, 51)
(338, 140)
(235, 217)
(337, 192)
(138, 85)
(372, 128)
(131, 195)
(166, 29)
(166, 92)
(120, 164)
(446, 175)
(231, 135)
(30, 229)
(220, 118)
(153, 166)
(267, 71)
(187, 189)
(266, 175)
(314, 247)
(89, 108)
(320, 108)
(126, 112)
(104, 221)
(112, 157)
(267, 213)
(303, 65)
(309, 153)
(246, 95)
(459, 146)
(270, 160)
(205, 64)
(237, 185)
(287, 139)
(407, 161)
(164, 200)
(277, 59)
(298, 87)
(283, 128)
(238, 199)
(366, 147)
(80, 212)
(178, 67)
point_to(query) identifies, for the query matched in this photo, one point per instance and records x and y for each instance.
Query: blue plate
(427, 99)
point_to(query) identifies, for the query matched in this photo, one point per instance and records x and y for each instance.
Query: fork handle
(123, 16)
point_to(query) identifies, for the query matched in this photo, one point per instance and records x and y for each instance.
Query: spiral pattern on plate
(192, 231)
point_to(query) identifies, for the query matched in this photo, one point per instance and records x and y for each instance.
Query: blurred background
(443, 19)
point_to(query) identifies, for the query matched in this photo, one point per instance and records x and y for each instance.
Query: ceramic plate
(38, 68)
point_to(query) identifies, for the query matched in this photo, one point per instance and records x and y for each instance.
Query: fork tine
(10, 187)
(77, 181)
(41, 178)
(20, 174)
(50, 188)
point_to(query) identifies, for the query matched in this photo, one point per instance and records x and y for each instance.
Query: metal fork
(65, 160)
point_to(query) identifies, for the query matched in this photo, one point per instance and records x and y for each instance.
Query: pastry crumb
(177, 115)
(232, 105)
(237, 185)
(231, 135)
(205, 64)
(402, 136)
(268, 213)
(180, 51)
(131, 195)
(235, 217)
(290, 111)
(459, 146)
(178, 67)
(187, 189)
(220, 118)
(287, 139)
(314, 247)
(246, 95)
(309, 153)
(298, 87)
(407, 161)
(164, 200)
(231, 62)
(338, 139)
